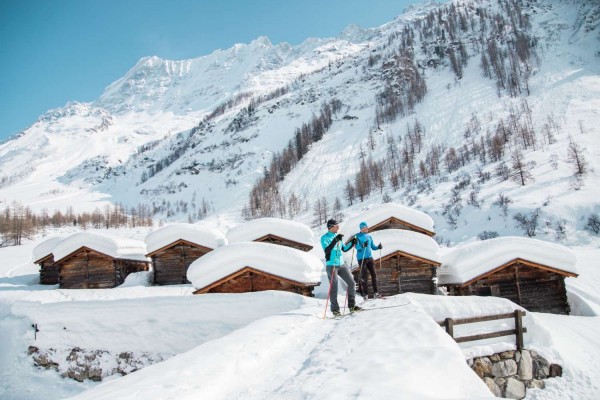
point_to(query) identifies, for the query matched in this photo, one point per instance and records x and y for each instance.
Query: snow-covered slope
(204, 130)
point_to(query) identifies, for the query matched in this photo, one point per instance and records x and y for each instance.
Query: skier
(365, 260)
(333, 247)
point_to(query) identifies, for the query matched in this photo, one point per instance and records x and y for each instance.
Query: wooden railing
(449, 324)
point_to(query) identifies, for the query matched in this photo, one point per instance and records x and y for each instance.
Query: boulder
(482, 367)
(525, 366)
(555, 370)
(507, 355)
(493, 386)
(503, 369)
(541, 368)
(536, 384)
(515, 389)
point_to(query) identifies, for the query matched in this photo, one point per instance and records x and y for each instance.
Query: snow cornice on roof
(45, 248)
(403, 241)
(191, 233)
(281, 261)
(115, 247)
(468, 262)
(383, 212)
(261, 227)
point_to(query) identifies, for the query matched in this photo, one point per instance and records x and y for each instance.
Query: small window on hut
(493, 290)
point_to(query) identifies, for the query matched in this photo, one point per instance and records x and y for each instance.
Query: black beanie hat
(331, 222)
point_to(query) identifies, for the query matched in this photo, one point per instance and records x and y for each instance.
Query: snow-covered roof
(197, 234)
(384, 211)
(286, 229)
(393, 240)
(116, 247)
(469, 261)
(281, 261)
(46, 247)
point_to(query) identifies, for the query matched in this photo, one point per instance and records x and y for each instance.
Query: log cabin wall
(283, 242)
(402, 274)
(533, 288)
(171, 264)
(48, 271)
(87, 269)
(250, 281)
(395, 223)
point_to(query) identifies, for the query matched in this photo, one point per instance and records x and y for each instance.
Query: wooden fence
(449, 324)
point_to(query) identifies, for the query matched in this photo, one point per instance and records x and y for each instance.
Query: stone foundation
(509, 374)
(95, 365)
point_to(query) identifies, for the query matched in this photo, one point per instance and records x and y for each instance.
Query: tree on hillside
(520, 168)
(575, 158)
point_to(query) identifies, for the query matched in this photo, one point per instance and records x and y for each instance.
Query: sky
(56, 51)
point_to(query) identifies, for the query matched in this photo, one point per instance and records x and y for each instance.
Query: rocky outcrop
(80, 364)
(511, 373)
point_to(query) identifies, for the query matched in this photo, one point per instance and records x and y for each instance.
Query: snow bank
(278, 260)
(197, 234)
(118, 247)
(393, 353)
(474, 259)
(409, 242)
(257, 228)
(46, 247)
(382, 212)
(142, 278)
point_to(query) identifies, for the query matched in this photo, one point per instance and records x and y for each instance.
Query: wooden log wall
(283, 242)
(171, 264)
(251, 281)
(48, 272)
(395, 223)
(533, 288)
(401, 274)
(87, 269)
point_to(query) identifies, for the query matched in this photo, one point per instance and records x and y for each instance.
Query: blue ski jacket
(364, 246)
(335, 257)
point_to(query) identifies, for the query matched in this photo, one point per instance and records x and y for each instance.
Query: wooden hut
(174, 247)
(252, 267)
(92, 261)
(43, 256)
(274, 230)
(528, 272)
(390, 216)
(407, 263)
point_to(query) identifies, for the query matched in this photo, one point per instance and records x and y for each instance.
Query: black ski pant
(367, 266)
(343, 272)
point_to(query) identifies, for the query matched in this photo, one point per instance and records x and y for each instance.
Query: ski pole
(329, 293)
(380, 260)
(365, 289)
(351, 261)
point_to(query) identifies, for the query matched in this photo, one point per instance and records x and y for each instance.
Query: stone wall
(509, 374)
(95, 365)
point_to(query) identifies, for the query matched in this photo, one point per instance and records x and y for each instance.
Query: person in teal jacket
(332, 245)
(365, 261)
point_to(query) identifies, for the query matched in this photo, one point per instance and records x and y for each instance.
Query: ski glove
(354, 240)
(380, 247)
(365, 244)
(338, 238)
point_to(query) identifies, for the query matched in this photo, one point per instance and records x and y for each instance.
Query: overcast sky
(55, 51)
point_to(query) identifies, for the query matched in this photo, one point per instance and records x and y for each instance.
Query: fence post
(519, 329)
(450, 327)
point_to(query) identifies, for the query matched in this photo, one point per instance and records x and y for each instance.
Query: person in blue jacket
(332, 245)
(365, 261)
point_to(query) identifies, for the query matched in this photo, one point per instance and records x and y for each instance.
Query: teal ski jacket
(364, 246)
(334, 250)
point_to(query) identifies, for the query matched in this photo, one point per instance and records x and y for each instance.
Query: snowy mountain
(422, 101)
(482, 114)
